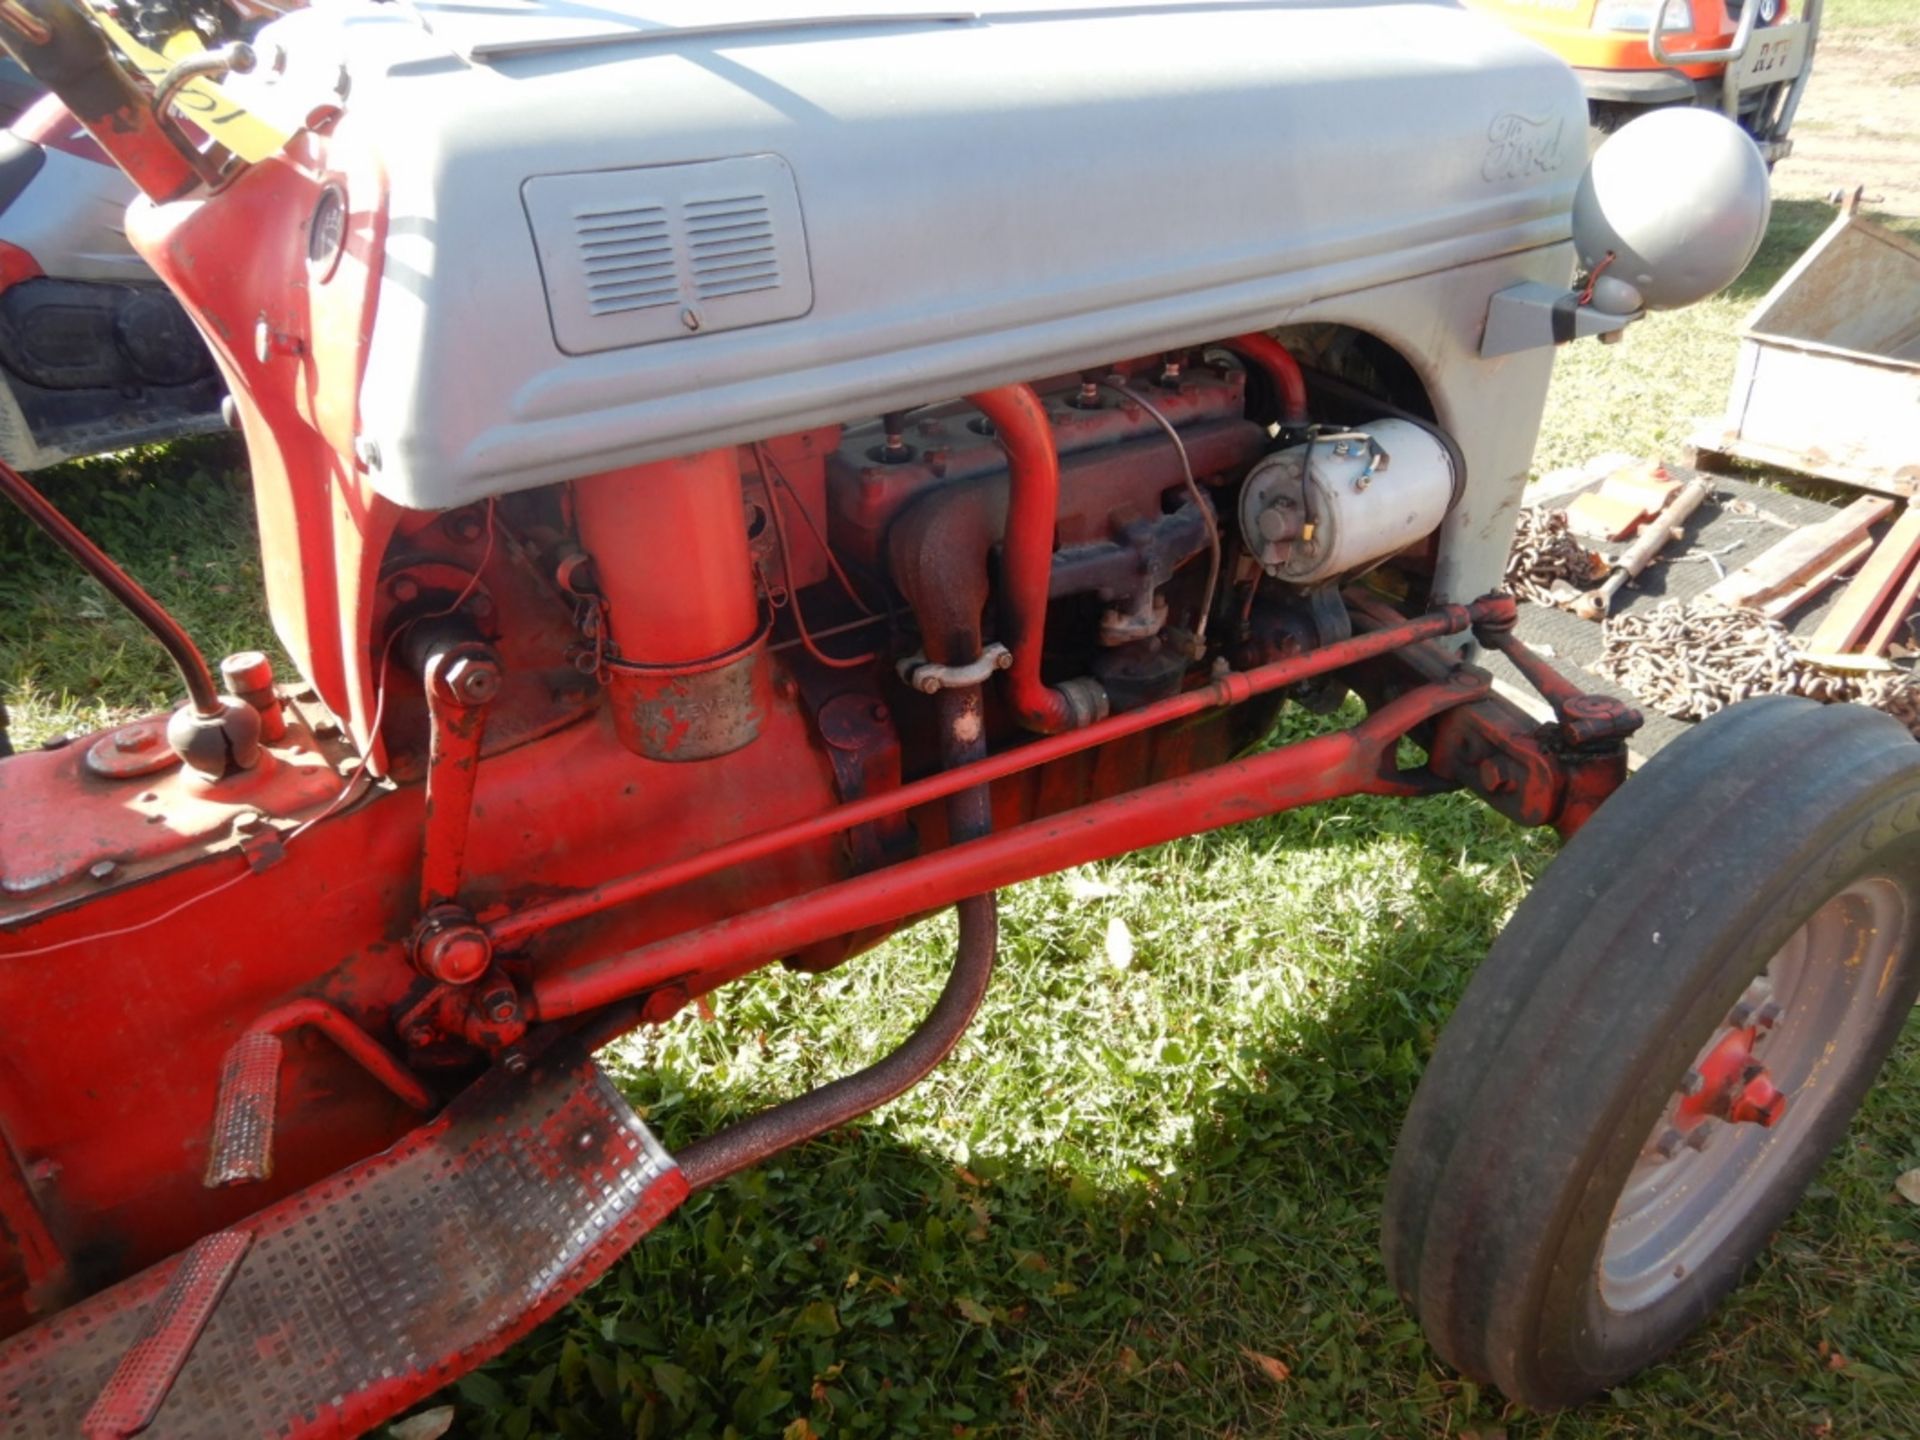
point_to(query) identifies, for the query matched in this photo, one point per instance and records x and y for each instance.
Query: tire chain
(1545, 551)
(1691, 658)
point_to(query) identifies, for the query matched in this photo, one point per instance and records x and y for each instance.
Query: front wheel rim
(1720, 1142)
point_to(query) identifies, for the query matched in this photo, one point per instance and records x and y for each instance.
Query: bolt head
(1692, 1083)
(404, 589)
(103, 870)
(473, 679)
(420, 1036)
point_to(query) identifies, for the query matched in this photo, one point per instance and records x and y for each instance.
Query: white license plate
(1776, 53)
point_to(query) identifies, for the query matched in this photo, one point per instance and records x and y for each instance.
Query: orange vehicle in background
(1748, 59)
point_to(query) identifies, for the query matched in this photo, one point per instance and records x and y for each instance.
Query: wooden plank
(1788, 565)
(1782, 606)
(1867, 593)
(1894, 618)
(1715, 453)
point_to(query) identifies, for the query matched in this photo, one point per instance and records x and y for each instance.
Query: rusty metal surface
(241, 1148)
(697, 711)
(139, 1384)
(462, 678)
(374, 1287)
(72, 831)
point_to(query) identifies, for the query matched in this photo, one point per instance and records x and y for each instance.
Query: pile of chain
(1689, 658)
(1544, 552)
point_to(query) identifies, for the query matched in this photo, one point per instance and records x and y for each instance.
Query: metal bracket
(930, 679)
(1532, 316)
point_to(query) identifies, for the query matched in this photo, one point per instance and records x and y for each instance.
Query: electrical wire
(850, 662)
(765, 463)
(357, 781)
(1205, 506)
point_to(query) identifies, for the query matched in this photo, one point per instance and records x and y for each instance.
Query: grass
(1142, 1198)
(1883, 22)
(70, 658)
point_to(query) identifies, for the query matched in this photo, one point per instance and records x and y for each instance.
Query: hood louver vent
(631, 257)
(628, 259)
(730, 243)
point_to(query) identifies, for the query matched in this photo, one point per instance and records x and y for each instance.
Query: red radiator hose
(1026, 557)
(1281, 368)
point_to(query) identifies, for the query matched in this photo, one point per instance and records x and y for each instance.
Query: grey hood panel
(971, 203)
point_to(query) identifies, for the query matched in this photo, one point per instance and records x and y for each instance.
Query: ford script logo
(1519, 147)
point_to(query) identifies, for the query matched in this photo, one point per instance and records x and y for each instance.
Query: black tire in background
(1770, 835)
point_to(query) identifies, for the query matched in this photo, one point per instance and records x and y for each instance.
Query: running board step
(362, 1294)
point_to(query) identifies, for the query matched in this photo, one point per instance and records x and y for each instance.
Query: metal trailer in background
(1837, 337)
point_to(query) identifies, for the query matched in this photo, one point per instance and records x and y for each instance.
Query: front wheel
(1663, 1045)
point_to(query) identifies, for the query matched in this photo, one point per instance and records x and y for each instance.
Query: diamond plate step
(373, 1288)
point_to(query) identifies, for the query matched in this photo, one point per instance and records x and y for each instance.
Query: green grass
(1884, 22)
(70, 658)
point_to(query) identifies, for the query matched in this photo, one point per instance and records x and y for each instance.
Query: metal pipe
(1289, 385)
(511, 930)
(359, 1046)
(201, 690)
(710, 1160)
(1790, 106)
(1742, 35)
(234, 58)
(1026, 556)
(1347, 762)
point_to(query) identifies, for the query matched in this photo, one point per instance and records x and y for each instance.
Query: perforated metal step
(367, 1291)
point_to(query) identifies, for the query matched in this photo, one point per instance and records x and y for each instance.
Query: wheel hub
(1751, 1093)
(1731, 1083)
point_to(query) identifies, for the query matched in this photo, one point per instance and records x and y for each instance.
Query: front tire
(1744, 914)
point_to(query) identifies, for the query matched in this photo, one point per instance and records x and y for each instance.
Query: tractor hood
(618, 232)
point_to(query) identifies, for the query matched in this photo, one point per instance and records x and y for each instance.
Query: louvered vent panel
(666, 252)
(730, 243)
(627, 257)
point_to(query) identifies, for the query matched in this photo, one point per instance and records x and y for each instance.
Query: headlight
(1638, 15)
